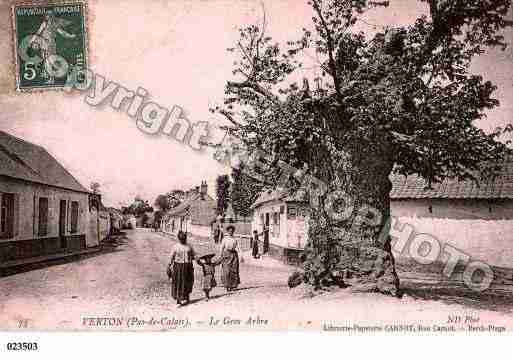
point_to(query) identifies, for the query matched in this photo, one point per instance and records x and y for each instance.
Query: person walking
(229, 260)
(182, 275)
(217, 233)
(254, 244)
(209, 271)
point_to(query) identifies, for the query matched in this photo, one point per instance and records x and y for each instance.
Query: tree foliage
(222, 193)
(138, 208)
(409, 86)
(95, 187)
(162, 202)
(245, 190)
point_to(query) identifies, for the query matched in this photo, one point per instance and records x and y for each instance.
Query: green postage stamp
(50, 44)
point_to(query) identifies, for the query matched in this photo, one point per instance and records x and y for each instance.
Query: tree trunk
(346, 246)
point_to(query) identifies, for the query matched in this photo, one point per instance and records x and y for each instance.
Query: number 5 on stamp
(50, 44)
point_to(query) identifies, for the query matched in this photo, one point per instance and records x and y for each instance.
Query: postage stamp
(50, 41)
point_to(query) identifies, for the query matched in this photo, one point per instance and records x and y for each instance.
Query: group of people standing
(181, 267)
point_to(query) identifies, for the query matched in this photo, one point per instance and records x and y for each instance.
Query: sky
(177, 51)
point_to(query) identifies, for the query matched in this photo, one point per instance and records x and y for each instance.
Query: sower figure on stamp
(182, 276)
(45, 40)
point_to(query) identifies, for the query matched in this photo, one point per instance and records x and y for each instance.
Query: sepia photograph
(340, 166)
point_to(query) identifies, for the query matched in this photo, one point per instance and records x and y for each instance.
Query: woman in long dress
(230, 260)
(182, 277)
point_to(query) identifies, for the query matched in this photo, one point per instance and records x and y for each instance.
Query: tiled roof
(414, 186)
(278, 195)
(24, 160)
(201, 211)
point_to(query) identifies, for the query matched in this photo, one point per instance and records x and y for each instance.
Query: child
(209, 280)
(254, 245)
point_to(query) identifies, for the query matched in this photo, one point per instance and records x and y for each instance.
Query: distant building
(194, 215)
(44, 210)
(129, 221)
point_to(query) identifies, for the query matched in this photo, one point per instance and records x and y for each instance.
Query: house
(129, 221)
(194, 215)
(286, 217)
(475, 218)
(492, 200)
(44, 210)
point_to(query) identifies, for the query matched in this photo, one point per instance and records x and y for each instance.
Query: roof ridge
(21, 139)
(64, 168)
(34, 163)
(17, 158)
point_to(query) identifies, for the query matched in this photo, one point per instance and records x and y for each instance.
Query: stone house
(44, 210)
(194, 215)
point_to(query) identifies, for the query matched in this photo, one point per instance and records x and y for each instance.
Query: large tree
(245, 190)
(401, 99)
(162, 202)
(139, 207)
(222, 193)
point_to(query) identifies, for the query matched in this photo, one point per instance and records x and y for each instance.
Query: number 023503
(20, 346)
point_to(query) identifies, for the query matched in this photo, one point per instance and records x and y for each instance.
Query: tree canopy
(405, 90)
(222, 193)
(138, 208)
(245, 190)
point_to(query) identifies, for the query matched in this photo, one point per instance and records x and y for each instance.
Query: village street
(128, 285)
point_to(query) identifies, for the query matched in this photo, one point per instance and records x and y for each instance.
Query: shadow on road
(494, 299)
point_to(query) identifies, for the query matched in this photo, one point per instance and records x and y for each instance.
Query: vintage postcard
(318, 166)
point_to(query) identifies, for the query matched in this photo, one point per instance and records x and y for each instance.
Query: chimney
(204, 188)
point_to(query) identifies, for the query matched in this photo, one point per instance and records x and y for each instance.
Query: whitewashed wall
(489, 241)
(198, 230)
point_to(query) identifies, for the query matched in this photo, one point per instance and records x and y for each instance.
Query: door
(266, 234)
(62, 223)
(6, 215)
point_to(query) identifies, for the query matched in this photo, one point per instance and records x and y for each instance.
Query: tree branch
(229, 117)
(331, 49)
(255, 88)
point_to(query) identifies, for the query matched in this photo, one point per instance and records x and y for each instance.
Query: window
(7, 215)
(43, 217)
(74, 217)
(291, 213)
(276, 224)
